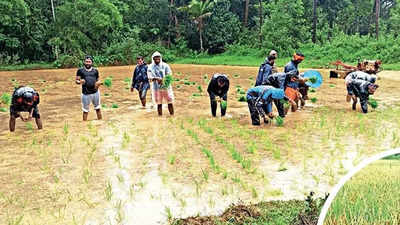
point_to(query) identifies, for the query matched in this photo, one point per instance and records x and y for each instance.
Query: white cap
(273, 52)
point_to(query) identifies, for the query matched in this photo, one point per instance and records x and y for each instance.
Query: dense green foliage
(115, 31)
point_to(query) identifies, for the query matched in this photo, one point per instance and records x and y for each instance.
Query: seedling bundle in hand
(279, 121)
(313, 79)
(108, 82)
(285, 103)
(224, 104)
(373, 103)
(167, 81)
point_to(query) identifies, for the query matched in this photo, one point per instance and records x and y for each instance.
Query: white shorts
(90, 98)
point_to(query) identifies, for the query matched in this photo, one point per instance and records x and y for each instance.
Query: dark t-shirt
(91, 78)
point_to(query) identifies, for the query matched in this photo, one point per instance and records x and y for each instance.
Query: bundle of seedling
(5, 102)
(373, 103)
(167, 81)
(279, 121)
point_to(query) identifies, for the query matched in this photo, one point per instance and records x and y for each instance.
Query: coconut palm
(199, 10)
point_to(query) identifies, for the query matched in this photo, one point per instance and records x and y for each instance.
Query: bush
(67, 61)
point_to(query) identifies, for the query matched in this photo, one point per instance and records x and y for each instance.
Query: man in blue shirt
(140, 81)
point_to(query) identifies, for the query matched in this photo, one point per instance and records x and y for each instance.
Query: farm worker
(157, 72)
(88, 77)
(218, 86)
(25, 99)
(362, 89)
(275, 54)
(284, 82)
(265, 70)
(357, 75)
(259, 100)
(140, 81)
(293, 65)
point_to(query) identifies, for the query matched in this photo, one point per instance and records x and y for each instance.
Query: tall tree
(377, 11)
(246, 13)
(199, 10)
(314, 27)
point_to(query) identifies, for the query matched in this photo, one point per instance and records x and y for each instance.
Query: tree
(199, 10)
(13, 17)
(222, 27)
(86, 26)
(246, 13)
(285, 30)
(314, 27)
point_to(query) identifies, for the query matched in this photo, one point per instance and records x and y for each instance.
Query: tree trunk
(201, 34)
(170, 18)
(54, 19)
(377, 12)
(246, 13)
(314, 28)
(260, 11)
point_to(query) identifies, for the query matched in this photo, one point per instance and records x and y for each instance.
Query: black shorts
(15, 110)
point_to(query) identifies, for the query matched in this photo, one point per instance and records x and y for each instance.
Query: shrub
(67, 61)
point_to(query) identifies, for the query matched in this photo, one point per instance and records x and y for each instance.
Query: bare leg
(159, 109)
(39, 123)
(171, 109)
(85, 115)
(98, 112)
(12, 123)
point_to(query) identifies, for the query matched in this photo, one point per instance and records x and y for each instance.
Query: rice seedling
(107, 94)
(167, 81)
(169, 213)
(3, 109)
(187, 83)
(312, 90)
(108, 82)
(127, 80)
(196, 95)
(114, 106)
(104, 106)
(200, 89)
(236, 75)
(224, 104)
(108, 191)
(313, 79)
(373, 103)
(6, 99)
(172, 159)
(279, 121)
(29, 126)
(332, 85)
(313, 99)
(211, 159)
(205, 175)
(242, 99)
(254, 193)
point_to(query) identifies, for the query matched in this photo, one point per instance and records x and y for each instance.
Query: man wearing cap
(140, 81)
(88, 77)
(259, 100)
(274, 54)
(218, 86)
(362, 89)
(265, 70)
(357, 75)
(25, 99)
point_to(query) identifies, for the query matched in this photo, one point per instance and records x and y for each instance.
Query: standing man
(362, 89)
(24, 99)
(218, 86)
(274, 54)
(357, 75)
(265, 70)
(293, 66)
(88, 77)
(259, 100)
(161, 90)
(140, 80)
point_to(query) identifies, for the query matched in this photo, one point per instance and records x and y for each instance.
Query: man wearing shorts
(161, 92)
(24, 99)
(88, 77)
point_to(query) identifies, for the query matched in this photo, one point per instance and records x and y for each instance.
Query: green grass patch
(370, 197)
